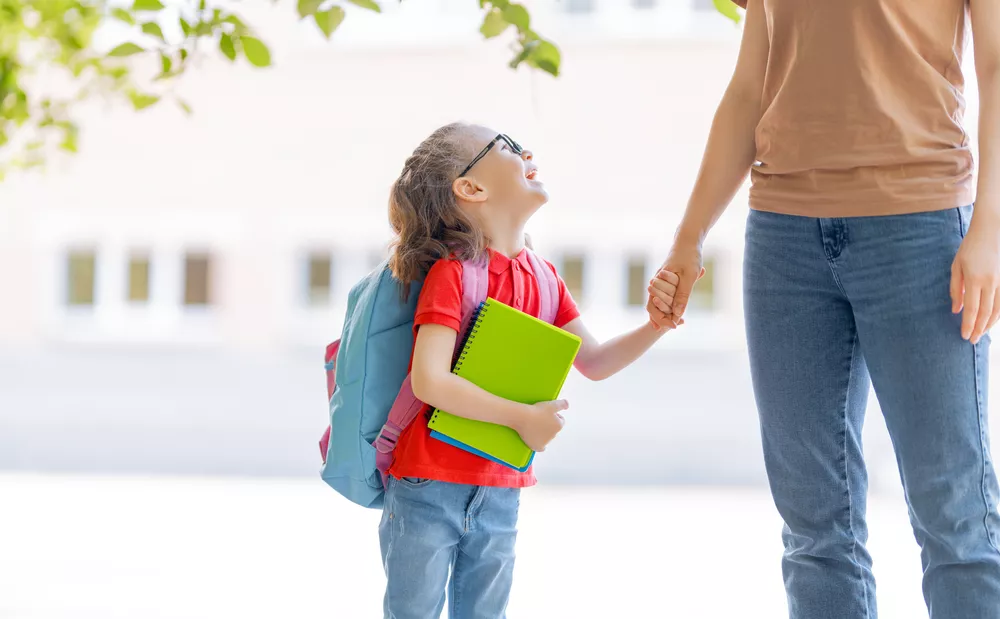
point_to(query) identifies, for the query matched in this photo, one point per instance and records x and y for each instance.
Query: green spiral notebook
(514, 356)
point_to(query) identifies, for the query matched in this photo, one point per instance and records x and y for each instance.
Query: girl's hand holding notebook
(541, 423)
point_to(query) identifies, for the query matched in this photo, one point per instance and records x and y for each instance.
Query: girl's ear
(468, 190)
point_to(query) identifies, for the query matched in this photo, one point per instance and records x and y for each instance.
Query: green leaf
(70, 135)
(185, 27)
(493, 24)
(371, 5)
(256, 52)
(545, 56)
(122, 15)
(517, 15)
(521, 56)
(239, 26)
(308, 7)
(728, 8)
(153, 29)
(227, 47)
(20, 112)
(184, 55)
(329, 21)
(125, 49)
(165, 63)
(181, 103)
(147, 5)
(141, 101)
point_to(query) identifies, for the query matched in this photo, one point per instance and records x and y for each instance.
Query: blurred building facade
(167, 293)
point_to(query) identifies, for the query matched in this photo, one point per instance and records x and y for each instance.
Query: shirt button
(517, 302)
(517, 266)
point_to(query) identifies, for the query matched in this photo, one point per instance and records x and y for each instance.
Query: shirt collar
(500, 263)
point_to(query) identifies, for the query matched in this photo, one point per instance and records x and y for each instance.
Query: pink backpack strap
(331, 385)
(475, 289)
(406, 407)
(548, 288)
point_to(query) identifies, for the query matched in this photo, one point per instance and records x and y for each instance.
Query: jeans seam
(847, 481)
(982, 447)
(831, 261)
(391, 505)
(455, 583)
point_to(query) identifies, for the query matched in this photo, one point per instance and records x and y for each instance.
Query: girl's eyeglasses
(514, 146)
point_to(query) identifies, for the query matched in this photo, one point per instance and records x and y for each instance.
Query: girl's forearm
(601, 361)
(458, 396)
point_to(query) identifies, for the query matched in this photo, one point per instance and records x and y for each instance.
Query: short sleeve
(568, 310)
(440, 300)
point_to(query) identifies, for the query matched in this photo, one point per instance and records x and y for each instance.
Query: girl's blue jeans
(439, 537)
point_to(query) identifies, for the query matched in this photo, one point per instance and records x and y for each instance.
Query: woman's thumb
(683, 294)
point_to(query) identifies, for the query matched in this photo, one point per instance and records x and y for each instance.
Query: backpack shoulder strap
(475, 289)
(406, 407)
(548, 288)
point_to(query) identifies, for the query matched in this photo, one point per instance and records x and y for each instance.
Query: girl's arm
(433, 383)
(598, 361)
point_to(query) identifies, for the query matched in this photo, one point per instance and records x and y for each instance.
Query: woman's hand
(681, 270)
(975, 279)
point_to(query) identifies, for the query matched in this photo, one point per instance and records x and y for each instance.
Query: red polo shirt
(511, 282)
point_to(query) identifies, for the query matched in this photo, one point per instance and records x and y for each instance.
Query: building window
(81, 278)
(644, 4)
(320, 267)
(197, 279)
(572, 272)
(579, 6)
(138, 278)
(703, 295)
(637, 282)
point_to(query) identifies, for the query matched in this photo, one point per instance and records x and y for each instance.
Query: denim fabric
(833, 306)
(437, 536)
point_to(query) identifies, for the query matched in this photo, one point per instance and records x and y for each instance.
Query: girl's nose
(527, 155)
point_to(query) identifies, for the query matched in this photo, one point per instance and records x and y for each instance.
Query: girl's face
(503, 172)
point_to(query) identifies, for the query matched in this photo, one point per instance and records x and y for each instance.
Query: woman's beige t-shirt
(862, 108)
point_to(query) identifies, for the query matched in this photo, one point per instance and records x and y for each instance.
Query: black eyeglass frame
(514, 146)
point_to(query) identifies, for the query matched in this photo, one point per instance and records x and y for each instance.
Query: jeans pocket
(964, 218)
(415, 482)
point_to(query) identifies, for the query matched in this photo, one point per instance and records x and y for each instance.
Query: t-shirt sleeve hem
(437, 318)
(566, 317)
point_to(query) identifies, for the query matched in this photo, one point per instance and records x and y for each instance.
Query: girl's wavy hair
(423, 211)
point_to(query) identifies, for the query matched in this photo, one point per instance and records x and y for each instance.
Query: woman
(848, 114)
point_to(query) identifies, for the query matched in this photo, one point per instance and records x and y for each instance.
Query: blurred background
(167, 295)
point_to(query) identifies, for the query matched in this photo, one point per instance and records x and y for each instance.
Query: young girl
(467, 192)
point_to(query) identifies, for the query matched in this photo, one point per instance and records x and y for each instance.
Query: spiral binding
(467, 337)
(470, 334)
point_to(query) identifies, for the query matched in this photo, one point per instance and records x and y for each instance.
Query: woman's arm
(975, 280)
(434, 384)
(730, 153)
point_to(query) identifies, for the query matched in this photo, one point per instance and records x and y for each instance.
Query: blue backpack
(371, 401)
